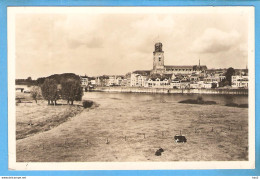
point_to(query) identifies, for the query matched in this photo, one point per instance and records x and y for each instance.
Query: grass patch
(84, 137)
(199, 100)
(237, 105)
(41, 117)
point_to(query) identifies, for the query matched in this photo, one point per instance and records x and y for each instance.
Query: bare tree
(36, 93)
(50, 91)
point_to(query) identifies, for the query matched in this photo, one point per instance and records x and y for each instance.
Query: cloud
(243, 49)
(215, 41)
(98, 44)
(150, 29)
(93, 42)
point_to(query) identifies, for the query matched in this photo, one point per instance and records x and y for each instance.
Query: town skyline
(115, 44)
(131, 84)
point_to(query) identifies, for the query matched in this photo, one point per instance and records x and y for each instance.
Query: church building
(160, 68)
(162, 75)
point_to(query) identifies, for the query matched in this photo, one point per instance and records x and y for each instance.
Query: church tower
(158, 58)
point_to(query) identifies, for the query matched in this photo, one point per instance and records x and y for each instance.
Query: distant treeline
(28, 82)
(57, 77)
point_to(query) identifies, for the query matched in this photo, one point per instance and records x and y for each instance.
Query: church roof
(179, 67)
(186, 66)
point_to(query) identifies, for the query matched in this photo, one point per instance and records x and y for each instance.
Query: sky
(115, 44)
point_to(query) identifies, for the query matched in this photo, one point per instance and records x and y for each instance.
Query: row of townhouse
(239, 81)
(105, 80)
(186, 81)
(180, 81)
(115, 80)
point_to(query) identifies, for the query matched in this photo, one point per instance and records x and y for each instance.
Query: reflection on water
(131, 97)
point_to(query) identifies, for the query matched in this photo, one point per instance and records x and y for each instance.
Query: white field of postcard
(124, 130)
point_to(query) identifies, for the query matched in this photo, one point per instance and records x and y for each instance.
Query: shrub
(87, 103)
(237, 105)
(232, 104)
(210, 102)
(189, 101)
(36, 93)
(243, 105)
(199, 100)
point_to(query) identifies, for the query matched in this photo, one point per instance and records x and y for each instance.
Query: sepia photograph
(131, 88)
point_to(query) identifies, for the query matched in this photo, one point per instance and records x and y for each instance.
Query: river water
(220, 99)
(154, 98)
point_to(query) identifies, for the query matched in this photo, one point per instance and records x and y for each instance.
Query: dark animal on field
(180, 139)
(159, 152)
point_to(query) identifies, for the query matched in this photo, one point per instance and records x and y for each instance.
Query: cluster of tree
(50, 91)
(58, 78)
(104, 77)
(160, 76)
(214, 85)
(228, 80)
(65, 86)
(69, 90)
(27, 81)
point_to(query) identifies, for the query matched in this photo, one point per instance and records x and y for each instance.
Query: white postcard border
(13, 165)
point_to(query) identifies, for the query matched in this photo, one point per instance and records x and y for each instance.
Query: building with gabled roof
(163, 74)
(84, 80)
(160, 68)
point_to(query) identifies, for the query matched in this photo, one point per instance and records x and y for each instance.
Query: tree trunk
(48, 102)
(71, 102)
(68, 102)
(36, 101)
(55, 102)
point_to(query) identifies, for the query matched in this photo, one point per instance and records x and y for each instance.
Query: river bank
(171, 91)
(130, 127)
(33, 118)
